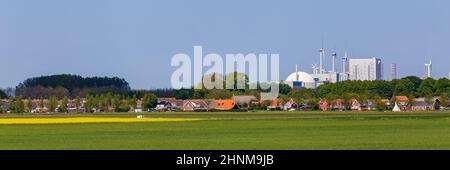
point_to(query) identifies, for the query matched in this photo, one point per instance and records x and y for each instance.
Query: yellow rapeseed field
(12, 121)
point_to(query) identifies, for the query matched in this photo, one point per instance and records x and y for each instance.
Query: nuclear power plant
(364, 69)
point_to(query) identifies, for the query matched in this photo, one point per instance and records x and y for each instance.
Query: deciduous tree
(149, 101)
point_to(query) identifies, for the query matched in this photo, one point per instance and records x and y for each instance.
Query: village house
(274, 105)
(367, 105)
(438, 105)
(290, 105)
(4, 106)
(72, 108)
(324, 105)
(245, 101)
(421, 104)
(194, 105)
(162, 105)
(138, 108)
(37, 108)
(402, 102)
(339, 104)
(386, 102)
(168, 104)
(356, 105)
(306, 105)
(212, 104)
(225, 104)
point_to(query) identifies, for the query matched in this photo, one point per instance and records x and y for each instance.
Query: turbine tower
(429, 69)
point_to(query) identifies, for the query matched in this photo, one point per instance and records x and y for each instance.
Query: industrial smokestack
(344, 63)
(334, 55)
(322, 54)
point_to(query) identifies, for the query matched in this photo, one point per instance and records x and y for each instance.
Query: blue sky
(135, 39)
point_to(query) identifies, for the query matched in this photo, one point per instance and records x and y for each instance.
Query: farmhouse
(274, 105)
(72, 106)
(402, 101)
(356, 105)
(421, 104)
(194, 105)
(4, 105)
(168, 104)
(386, 102)
(290, 105)
(367, 105)
(40, 106)
(138, 108)
(306, 105)
(324, 105)
(225, 105)
(339, 104)
(245, 101)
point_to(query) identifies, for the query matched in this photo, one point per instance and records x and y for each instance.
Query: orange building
(226, 105)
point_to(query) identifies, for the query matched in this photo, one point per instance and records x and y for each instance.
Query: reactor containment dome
(301, 79)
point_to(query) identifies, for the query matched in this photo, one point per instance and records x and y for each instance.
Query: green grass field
(252, 130)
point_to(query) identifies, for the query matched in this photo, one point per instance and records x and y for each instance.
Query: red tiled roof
(401, 97)
(274, 102)
(225, 104)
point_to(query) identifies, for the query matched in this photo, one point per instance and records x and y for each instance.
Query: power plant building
(393, 71)
(365, 69)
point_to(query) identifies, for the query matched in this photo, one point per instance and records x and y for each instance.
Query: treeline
(409, 86)
(70, 85)
(193, 93)
(118, 103)
(92, 103)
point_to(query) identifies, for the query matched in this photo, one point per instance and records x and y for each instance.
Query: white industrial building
(300, 79)
(365, 69)
(330, 77)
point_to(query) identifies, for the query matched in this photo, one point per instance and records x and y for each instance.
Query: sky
(136, 39)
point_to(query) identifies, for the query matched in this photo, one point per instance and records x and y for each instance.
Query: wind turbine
(429, 69)
(315, 69)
